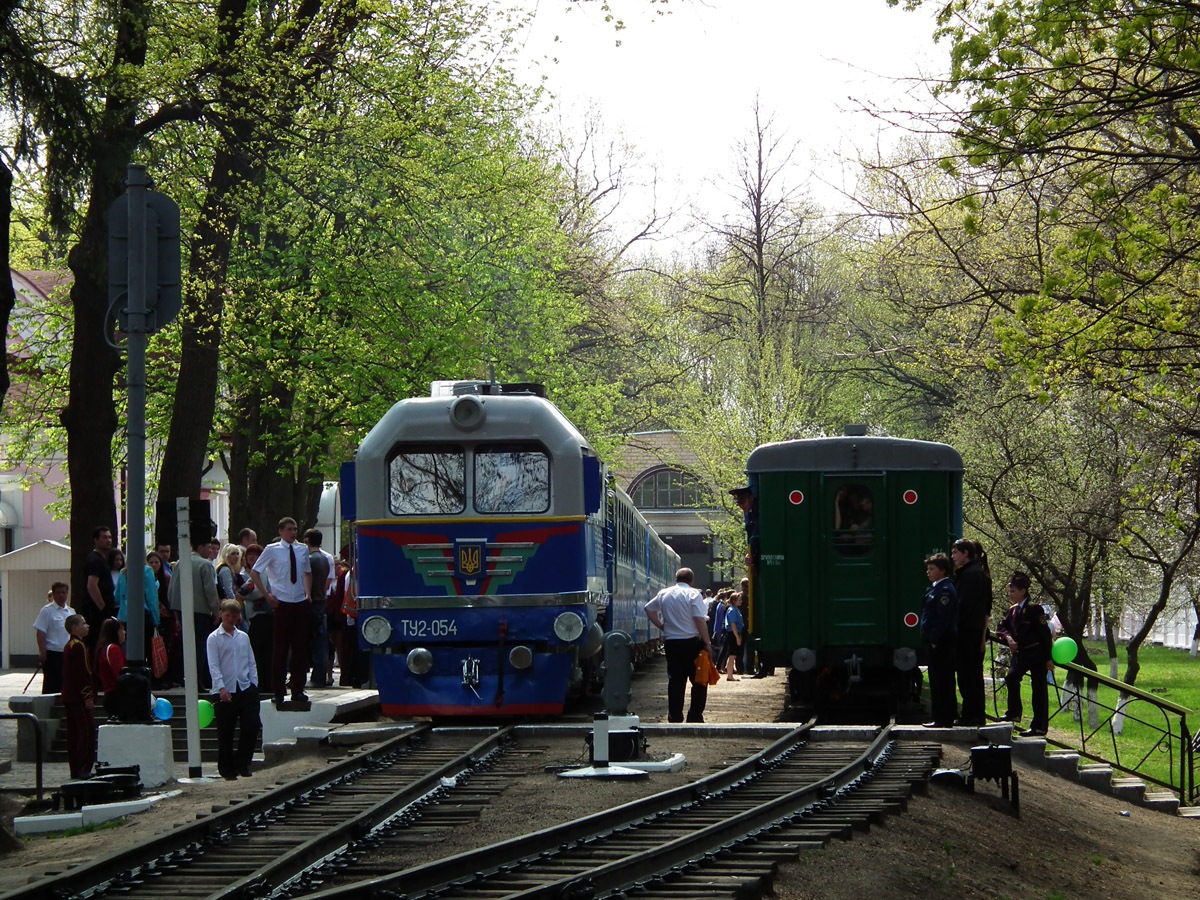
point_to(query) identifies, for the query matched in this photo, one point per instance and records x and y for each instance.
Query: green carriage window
(853, 520)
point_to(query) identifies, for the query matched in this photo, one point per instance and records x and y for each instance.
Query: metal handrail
(1175, 741)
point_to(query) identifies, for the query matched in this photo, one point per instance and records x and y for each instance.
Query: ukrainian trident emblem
(468, 558)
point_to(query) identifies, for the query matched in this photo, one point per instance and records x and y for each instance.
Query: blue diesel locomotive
(492, 556)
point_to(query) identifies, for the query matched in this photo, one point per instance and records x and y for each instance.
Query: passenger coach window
(427, 482)
(853, 520)
(512, 479)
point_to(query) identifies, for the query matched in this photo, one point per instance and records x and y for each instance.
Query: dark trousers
(681, 666)
(202, 627)
(1039, 696)
(345, 641)
(95, 617)
(293, 630)
(969, 659)
(262, 644)
(320, 645)
(942, 701)
(52, 672)
(81, 739)
(240, 713)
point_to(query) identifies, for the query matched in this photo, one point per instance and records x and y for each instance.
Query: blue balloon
(163, 709)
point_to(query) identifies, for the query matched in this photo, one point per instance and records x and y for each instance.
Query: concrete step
(1163, 801)
(1064, 763)
(1095, 775)
(1128, 788)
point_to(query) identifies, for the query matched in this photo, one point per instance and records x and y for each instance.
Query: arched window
(666, 488)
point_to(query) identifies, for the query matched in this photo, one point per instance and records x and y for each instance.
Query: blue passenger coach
(491, 554)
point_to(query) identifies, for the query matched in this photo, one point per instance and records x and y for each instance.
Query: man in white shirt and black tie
(235, 682)
(285, 563)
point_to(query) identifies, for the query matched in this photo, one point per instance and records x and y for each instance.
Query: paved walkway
(23, 776)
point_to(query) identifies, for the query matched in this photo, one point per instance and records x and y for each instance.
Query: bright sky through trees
(681, 86)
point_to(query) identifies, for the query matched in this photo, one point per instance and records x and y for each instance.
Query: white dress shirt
(679, 606)
(49, 622)
(275, 563)
(230, 660)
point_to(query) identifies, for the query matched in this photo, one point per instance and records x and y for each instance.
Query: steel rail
(297, 861)
(503, 855)
(96, 876)
(687, 850)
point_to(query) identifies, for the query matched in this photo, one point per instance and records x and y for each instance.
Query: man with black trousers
(680, 612)
(288, 590)
(235, 682)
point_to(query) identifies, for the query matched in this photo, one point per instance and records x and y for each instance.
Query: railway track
(248, 850)
(720, 836)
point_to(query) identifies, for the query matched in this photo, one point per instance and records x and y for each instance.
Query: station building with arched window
(654, 468)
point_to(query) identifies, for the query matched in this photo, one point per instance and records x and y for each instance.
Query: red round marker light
(910, 497)
(796, 497)
(911, 620)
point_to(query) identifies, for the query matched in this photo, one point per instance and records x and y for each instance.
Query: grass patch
(1167, 673)
(83, 829)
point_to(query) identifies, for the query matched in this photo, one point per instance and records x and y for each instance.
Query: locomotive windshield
(512, 478)
(427, 481)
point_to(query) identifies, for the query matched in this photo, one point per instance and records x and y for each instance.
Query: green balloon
(1064, 650)
(208, 712)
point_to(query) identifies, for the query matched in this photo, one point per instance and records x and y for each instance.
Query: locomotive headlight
(521, 657)
(568, 626)
(467, 413)
(803, 659)
(905, 659)
(376, 630)
(419, 660)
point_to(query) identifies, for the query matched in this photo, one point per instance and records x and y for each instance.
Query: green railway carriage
(839, 532)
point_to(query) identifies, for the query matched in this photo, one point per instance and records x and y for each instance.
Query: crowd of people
(954, 624)
(263, 618)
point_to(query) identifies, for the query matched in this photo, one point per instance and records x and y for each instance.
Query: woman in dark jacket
(974, 588)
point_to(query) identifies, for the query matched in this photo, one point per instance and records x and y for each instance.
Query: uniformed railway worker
(680, 612)
(1028, 636)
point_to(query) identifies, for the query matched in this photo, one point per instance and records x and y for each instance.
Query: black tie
(292, 561)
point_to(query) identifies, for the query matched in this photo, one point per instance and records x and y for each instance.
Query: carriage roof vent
(856, 431)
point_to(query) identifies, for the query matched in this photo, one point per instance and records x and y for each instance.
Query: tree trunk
(1110, 638)
(8, 296)
(186, 452)
(90, 417)
(278, 484)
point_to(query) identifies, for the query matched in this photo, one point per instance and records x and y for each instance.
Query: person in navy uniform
(939, 627)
